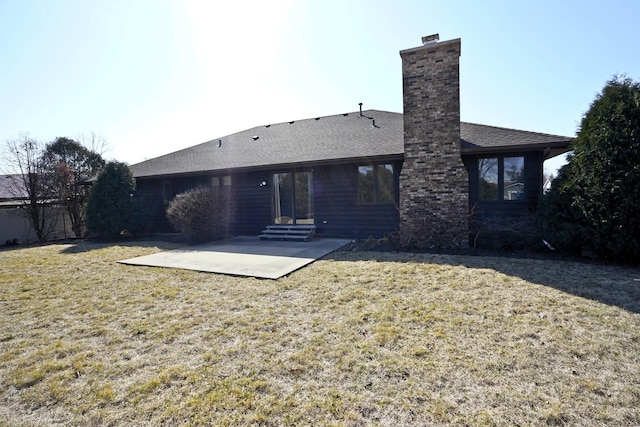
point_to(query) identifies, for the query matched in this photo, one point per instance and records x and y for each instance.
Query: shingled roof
(476, 138)
(350, 137)
(10, 188)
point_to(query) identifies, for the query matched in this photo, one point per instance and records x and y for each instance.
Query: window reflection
(488, 169)
(376, 184)
(513, 178)
(501, 178)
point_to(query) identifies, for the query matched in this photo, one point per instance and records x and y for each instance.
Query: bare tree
(94, 142)
(31, 184)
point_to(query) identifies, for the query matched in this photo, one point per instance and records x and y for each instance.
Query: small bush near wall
(431, 234)
(506, 232)
(201, 214)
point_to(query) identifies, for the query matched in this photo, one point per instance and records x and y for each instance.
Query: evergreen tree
(604, 172)
(564, 222)
(113, 209)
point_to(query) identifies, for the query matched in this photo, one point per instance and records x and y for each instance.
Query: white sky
(155, 76)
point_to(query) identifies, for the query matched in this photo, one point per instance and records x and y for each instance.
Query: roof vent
(255, 138)
(317, 118)
(433, 38)
(292, 122)
(267, 126)
(219, 143)
(345, 114)
(360, 104)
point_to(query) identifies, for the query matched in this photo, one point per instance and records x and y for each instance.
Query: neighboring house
(13, 222)
(10, 190)
(367, 173)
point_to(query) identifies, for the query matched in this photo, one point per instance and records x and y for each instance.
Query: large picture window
(501, 178)
(376, 184)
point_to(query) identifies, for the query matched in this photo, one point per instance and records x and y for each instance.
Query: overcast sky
(155, 76)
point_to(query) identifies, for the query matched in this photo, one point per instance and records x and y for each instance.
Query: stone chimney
(434, 186)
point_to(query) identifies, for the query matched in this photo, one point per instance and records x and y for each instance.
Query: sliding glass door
(293, 198)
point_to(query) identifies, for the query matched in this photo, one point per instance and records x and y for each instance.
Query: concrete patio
(243, 256)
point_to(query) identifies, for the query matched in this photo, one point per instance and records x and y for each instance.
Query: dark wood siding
(252, 202)
(151, 193)
(337, 211)
(501, 223)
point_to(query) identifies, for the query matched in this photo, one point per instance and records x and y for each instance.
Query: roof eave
(554, 148)
(280, 166)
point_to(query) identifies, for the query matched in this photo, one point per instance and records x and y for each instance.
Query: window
(384, 181)
(217, 180)
(167, 190)
(365, 184)
(488, 169)
(376, 184)
(501, 178)
(513, 178)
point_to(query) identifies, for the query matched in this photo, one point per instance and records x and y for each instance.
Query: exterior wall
(150, 192)
(337, 212)
(14, 225)
(251, 203)
(506, 223)
(433, 181)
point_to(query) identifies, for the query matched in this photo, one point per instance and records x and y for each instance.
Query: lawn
(357, 338)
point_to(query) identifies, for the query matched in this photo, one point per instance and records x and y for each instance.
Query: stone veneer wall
(434, 185)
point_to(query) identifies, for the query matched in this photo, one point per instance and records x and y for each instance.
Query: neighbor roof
(9, 188)
(350, 137)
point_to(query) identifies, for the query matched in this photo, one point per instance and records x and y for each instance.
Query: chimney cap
(433, 42)
(433, 38)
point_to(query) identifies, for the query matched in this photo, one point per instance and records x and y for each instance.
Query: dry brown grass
(355, 339)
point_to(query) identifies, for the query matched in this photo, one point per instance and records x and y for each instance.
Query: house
(14, 224)
(368, 172)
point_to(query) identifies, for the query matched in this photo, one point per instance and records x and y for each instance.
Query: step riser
(283, 238)
(291, 228)
(288, 232)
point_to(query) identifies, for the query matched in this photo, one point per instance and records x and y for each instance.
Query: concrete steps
(297, 232)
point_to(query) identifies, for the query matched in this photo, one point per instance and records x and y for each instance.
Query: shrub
(201, 214)
(506, 232)
(431, 233)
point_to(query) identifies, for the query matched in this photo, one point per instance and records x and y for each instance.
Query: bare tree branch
(30, 184)
(95, 142)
